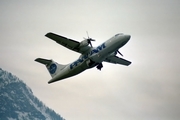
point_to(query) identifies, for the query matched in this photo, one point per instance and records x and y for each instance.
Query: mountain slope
(18, 102)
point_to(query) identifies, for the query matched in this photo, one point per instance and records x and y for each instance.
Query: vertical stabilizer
(53, 67)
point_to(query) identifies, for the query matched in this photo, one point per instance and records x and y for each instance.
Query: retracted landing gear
(99, 66)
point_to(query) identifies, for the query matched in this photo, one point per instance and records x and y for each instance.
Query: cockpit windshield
(119, 34)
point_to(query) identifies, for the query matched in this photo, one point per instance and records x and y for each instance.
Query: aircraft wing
(117, 60)
(66, 42)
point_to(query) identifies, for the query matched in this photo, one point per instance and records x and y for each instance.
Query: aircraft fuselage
(93, 57)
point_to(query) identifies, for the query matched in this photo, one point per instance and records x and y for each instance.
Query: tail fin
(52, 66)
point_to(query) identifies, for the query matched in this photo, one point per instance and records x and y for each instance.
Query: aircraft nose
(128, 37)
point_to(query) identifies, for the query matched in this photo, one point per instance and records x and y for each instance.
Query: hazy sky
(149, 89)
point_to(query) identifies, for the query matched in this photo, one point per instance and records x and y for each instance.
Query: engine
(91, 64)
(84, 43)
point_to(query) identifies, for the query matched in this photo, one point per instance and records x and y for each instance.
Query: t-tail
(53, 67)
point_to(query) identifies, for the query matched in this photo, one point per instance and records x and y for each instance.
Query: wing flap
(117, 60)
(68, 43)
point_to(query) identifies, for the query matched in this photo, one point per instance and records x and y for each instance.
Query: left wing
(68, 43)
(117, 60)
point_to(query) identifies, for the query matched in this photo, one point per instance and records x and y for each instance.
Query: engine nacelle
(84, 43)
(91, 63)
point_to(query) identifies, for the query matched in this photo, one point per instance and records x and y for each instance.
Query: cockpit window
(119, 34)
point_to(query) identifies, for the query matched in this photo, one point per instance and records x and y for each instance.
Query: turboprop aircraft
(89, 58)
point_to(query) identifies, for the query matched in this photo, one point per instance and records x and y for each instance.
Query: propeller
(89, 39)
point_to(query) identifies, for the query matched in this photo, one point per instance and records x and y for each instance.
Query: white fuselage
(93, 57)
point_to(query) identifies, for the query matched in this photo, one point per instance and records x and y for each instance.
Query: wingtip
(130, 63)
(47, 34)
(36, 59)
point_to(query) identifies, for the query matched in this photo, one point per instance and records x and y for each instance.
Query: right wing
(117, 60)
(66, 42)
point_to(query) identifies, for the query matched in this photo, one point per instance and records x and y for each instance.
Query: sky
(147, 89)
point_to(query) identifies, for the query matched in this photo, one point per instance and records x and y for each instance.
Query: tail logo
(52, 68)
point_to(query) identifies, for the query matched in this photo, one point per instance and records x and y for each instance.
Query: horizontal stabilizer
(43, 61)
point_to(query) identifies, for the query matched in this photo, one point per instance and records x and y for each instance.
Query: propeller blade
(92, 39)
(87, 34)
(120, 53)
(89, 39)
(90, 44)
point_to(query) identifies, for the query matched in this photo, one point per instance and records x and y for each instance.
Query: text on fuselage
(84, 57)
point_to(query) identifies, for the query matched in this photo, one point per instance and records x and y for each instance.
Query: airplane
(89, 58)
